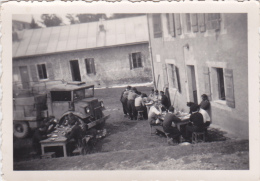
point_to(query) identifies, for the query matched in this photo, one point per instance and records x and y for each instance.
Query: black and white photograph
(132, 91)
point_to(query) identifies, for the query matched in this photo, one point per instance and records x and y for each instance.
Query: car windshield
(83, 93)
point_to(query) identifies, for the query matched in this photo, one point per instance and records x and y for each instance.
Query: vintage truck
(57, 100)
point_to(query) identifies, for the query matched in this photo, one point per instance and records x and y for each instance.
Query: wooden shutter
(165, 77)
(178, 24)
(206, 74)
(230, 97)
(50, 71)
(194, 22)
(171, 24)
(157, 25)
(201, 22)
(93, 66)
(130, 61)
(33, 73)
(213, 21)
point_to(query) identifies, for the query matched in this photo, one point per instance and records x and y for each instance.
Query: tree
(85, 18)
(33, 24)
(50, 20)
(72, 19)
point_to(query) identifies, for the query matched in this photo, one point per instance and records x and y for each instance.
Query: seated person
(169, 123)
(39, 134)
(153, 113)
(206, 117)
(164, 100)
(205, 104)
(189, 104)
(156, 96)
(196, 122)
(51, 124)
(140, 105)
(151, 95)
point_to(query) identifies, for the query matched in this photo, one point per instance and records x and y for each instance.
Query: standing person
(153, 114)
(123, 100)
(140, 106)
(164, 100)
(196, 122)
(169, 124)
(131, 103)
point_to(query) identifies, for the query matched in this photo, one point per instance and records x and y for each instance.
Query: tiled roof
(81, 36)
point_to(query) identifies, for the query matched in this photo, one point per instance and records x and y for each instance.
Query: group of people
(134, 101)
(76, 130)
(199, 119)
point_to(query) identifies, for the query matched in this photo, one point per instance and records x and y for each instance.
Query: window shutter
(206, 74)
(130, 61)
(230, 97)
(201, 19)
(33, 73)
(157, 25)
(170, 24)
(213, 21)
(93, 66)
(165, 77)
(194, 22)
(142, 59)
(50, 71)
(178, 24)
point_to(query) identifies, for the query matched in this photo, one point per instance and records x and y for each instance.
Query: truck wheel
(21, 129)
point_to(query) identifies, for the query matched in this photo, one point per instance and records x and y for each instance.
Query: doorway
(192, 83)
(24, 77)
(74, 66)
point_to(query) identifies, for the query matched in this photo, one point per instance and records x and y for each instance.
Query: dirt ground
(129, 145)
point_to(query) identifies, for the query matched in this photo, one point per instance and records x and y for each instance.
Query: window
(174, 77)
(61, 95)
(221, 85)
(90, 66)
(135, 60)
(157, 25)
(42, 71)
(170, 24)
(188, 23)
(213, 22)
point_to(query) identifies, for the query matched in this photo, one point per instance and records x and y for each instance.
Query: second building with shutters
(195, 54)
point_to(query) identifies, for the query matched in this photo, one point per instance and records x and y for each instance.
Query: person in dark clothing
(189, 104)
(196, 122)
(131, 104)
(169, 120)
(123, 100)
(164, 100)
(205, 104)
(39, 134)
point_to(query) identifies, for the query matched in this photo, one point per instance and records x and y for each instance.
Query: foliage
(50, 20)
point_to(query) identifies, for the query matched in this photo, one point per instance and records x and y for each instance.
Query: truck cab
(59, 100)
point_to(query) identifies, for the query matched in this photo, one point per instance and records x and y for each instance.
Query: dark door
(74, 66)
(24, 77)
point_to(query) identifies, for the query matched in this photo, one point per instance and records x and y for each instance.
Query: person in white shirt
(140, 105)
(206, 117)
(153, 113)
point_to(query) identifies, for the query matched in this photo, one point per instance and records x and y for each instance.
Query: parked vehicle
(58, 100)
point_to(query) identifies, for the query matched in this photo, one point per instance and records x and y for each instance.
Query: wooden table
(59, 140)
(184, 120)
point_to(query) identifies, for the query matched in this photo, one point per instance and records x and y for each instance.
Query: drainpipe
(185, 68)
(150, 52)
